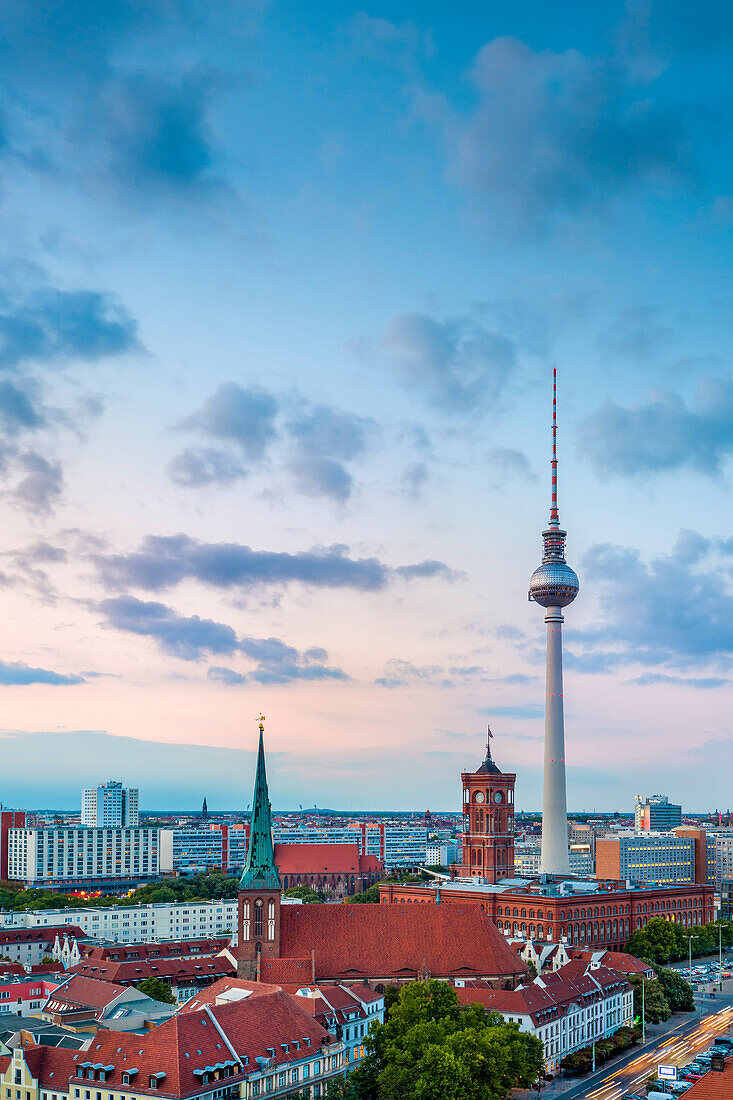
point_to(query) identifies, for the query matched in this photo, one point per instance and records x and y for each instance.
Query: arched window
(524, 912)
(271, 919)
(245, 920)
(258, 917)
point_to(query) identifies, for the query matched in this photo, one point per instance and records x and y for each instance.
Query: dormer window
(125, 1078)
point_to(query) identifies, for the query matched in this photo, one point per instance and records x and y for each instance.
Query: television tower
(554, 585)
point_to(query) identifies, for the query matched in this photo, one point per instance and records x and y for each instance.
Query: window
(258, 917)
(281, 1079)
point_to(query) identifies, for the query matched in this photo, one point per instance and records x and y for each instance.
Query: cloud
(662, 435)
(528, 710)
(244, 415)
(188, 637)
(44, 325)
(159, 131)
(192, 638)
(197, 466)
(40, 485)
(414, 479)
(17, 673)
(551, 134)
(457, 365)
(18, 410)
(664, 28)
(325, 439)
(398, 44)
(669, 611)
(164, 561)
(508, 464)
(703, 682)
(638, 333)
(399, 673)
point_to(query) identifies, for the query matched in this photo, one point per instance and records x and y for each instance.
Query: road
(675, 1045)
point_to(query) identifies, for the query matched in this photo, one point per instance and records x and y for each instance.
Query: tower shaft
(555, 858)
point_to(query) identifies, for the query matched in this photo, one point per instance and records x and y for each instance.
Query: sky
(281, 290)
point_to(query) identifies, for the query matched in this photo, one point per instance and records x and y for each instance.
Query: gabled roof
(192, 1041)
(355, 941)
(170, 949)
(51, 1066)
(136, 970)
(81, 991)
(223, 987)
(38, 935)
(317, 859)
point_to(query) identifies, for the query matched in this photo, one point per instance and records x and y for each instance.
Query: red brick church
(346, 944)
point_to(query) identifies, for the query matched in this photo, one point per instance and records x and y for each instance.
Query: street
(675, 1042)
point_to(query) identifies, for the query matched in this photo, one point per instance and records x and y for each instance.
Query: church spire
(260, 872)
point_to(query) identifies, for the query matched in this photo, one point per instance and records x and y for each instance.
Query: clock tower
(488, 822)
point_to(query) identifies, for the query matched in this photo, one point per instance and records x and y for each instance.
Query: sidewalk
(655, 1034)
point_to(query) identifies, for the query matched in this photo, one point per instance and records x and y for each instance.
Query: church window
(245, 920)
(258, 917)
(271, 919)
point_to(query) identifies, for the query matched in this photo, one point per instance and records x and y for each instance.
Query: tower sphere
(553, 584)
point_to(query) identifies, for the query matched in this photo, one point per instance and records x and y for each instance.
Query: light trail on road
(674, 1050)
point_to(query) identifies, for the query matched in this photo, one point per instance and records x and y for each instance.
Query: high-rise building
(656, 813)
(488, 822)
(554, 585)
(110, 805)
(661, 858)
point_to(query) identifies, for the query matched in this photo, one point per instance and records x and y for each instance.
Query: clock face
(497, 796)
(479, 796)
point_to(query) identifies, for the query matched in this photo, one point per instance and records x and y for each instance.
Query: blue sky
(280, 295)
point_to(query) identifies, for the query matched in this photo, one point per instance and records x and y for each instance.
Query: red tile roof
(51, 1066)
(209, 995)
(317, 859)
(191, 1041)
(173, 949)
(714, 1085)
(175, 970)
(287, 971)
(4, 1062)
(11, 968)
(81, 991)
(381, 940)
(38, 935)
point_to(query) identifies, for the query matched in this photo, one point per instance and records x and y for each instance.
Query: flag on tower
(488, 730)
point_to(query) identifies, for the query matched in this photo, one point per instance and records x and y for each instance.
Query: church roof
(352, 942)
(260, 871)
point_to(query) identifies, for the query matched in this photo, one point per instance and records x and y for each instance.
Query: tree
(157, 989)
(433, 1048)
(305, 893)
(659, 941)
(677, 991)
(656, 1005)
(370, 896)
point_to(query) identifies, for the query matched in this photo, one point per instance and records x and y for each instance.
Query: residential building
(263, 1045)
(28, 945)
(68, 950)
(442, 854)
(351, 1012)
(24, 995)
(527, 857)
(88, 858)
(79, 1001)
(656, 812)
(661, 858)
(184, 977)
(110, 805)
(566, 1009)
(9, 819)
(37, 1072)
(163, 920)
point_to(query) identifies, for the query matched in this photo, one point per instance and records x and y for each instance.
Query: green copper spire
(260, 872)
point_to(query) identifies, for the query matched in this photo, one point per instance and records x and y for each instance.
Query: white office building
(110, 805)
(81, 858)
(136, 923)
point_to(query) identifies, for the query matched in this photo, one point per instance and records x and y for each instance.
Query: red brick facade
(605, 918)
(488, 823)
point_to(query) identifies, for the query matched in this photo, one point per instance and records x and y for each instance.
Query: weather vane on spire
(489, 735)
(261, 723)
